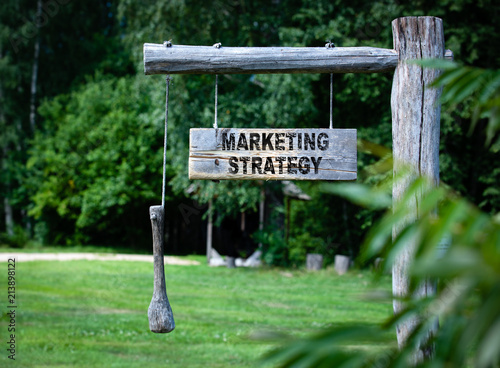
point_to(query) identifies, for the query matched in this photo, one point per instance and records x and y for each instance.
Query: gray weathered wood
(159, 59)
(210, 226)
(342, 264)
(209, 158)
(415, 132)
(181, 59)
(314, 261)
(160, 315)
(262, 203)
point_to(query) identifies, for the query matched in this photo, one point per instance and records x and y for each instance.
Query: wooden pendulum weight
(161, 318)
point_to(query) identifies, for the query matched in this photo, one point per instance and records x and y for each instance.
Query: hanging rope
(330, 45)
(216, 92)
(164, 183)
(217, 45)
(331, 100)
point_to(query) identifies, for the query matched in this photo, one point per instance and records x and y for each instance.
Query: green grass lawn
(94, 313)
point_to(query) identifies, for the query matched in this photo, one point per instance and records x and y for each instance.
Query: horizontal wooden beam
(179, 59)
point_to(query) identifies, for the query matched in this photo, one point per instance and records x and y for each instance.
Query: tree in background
(104, 41)
(42, 55)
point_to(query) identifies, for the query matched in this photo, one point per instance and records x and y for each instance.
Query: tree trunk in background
(9, 217)
(210, 227)
(243, 222)
(415, 135)
(7, 207)
(34, 75)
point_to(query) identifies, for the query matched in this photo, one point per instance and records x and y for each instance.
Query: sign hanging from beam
(273, 154)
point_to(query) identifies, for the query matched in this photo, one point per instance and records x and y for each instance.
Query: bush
(20, 238)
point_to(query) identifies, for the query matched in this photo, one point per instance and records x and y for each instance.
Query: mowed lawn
(94, 313)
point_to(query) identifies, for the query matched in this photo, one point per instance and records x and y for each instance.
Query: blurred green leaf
(360, 194)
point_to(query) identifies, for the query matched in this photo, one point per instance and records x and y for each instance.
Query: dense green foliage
(90, 163)
(93, 164)
(93, 313)
(467, 304)
(456, 246)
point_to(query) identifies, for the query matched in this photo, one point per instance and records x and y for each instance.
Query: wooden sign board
(273, 154)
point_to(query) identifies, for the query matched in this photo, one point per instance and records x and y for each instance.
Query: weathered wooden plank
(159, 59)
(273, 154)
(180, 59)
(415, 131)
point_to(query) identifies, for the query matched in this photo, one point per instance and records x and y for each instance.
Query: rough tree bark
(415, 136)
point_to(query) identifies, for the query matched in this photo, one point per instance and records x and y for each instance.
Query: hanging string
(216, 92)
(217, 45)
(331, 100)
(330, 45)
(164, 183)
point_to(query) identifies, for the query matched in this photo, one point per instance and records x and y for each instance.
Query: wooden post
(210, 226)
(261, 209)
(415, 134)
(287, 228)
